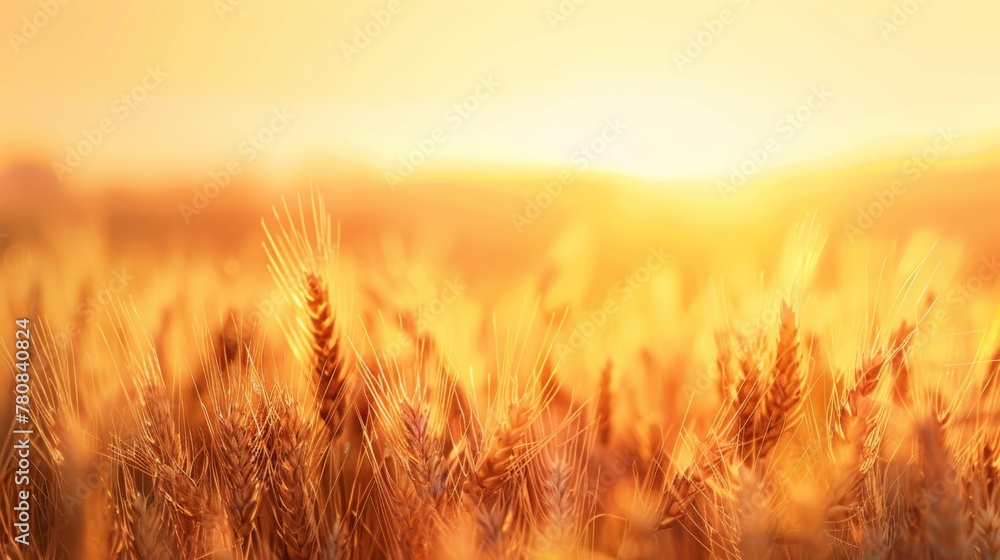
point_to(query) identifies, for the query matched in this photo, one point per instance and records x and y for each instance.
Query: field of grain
(320, 372)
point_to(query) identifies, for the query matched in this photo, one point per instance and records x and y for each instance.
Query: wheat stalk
(299, 253)
(311, 447)
(784, 397)
(290, 493)
(238, 455)
(605, 406)
(328, 366)
(946, 519)
(500, 458)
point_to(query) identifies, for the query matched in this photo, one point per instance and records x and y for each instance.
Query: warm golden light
(508, 280)
(697, 84)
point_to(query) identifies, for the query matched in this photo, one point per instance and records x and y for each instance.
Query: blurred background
(535, 147)
(695, 85)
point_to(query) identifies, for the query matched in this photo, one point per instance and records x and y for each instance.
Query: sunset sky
(561, 71)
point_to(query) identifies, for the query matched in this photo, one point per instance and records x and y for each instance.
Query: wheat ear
(238, 453)
(946, 519)
(291, 494)
(784, 398)
(329, 373)
(299, 253)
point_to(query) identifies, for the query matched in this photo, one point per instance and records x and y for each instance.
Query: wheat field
(337, 403)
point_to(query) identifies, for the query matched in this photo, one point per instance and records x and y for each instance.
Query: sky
(653, 89)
